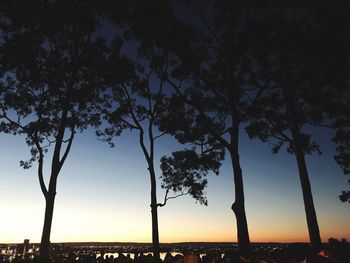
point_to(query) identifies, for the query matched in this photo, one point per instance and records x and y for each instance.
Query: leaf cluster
(186, 170)
(52, 70)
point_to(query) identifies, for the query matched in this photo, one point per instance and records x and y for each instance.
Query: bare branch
(47, 138)
(159, 135)
(166, 198)
(132, 126)
(47, 145)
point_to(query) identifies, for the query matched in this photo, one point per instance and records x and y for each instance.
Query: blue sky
(103, 194)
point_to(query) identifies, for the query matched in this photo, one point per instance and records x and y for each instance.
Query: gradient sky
(104, 195)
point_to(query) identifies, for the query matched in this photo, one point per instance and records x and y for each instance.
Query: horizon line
(163, 243)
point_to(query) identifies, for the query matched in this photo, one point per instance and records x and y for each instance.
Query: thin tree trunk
(44, 254)
(238, 206)
(45, 238)
(154, 211)
(314, 232)
(310, 212)
(149, 155)
(239, 209)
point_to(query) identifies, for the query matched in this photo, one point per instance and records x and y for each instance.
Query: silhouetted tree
(342, 136)
(298, 68)
(131, 114)
(154, 32)
(139, 106)
(339, 105)
(213, 93)
(211, 122)
(52, 74)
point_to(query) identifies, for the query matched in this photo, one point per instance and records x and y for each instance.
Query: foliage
(143, 103)
(185, 171)
(293, 76)
(341, 122)
(53, 82)
(211, 101)
(52, 72)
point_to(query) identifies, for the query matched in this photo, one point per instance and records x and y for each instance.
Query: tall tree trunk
(238, 206)
(154, 211)
(50, 194)
(45, 238)
(314, 232)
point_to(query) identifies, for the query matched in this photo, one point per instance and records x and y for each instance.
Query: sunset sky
(104, 195)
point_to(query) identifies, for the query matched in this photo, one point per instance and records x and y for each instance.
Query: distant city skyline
(103, 195)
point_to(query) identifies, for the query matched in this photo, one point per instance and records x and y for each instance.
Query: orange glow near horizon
(113, 205)
(73, 223)
(77, 223)
(69, 227)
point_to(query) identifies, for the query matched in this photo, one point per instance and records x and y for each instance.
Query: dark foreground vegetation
(334, 251)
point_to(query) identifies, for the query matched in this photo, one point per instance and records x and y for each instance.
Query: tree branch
(159, 93)
(55, 166)
(197, 8)
(13, 122)
(279, 130)
(66, 152)
(213, 132)
(137, 123)
(166, 198)
(129, 124)
(159, 135)
(40, 166)
(40, 150)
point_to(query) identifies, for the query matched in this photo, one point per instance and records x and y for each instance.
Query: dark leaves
(185, 171)
(52, 70)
